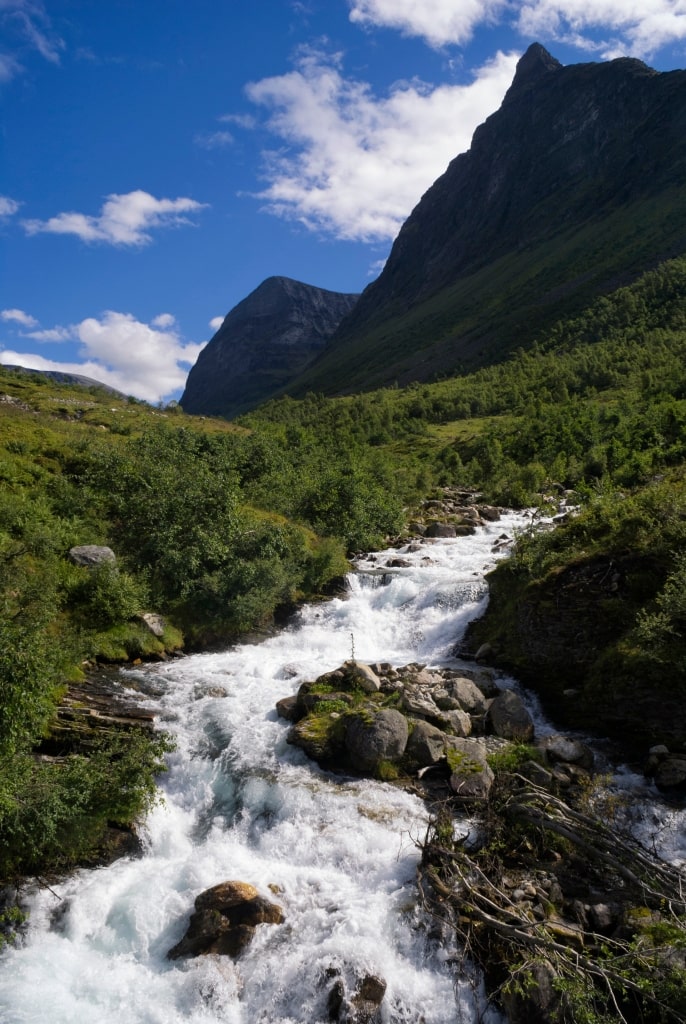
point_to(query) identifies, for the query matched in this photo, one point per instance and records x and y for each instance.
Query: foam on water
(338, 854)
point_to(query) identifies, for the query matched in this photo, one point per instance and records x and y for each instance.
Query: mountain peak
(263, 342)
(534, 65)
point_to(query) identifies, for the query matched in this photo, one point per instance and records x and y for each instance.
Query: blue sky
(160, 158)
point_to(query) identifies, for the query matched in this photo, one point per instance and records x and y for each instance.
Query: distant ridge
(66, 378)
(263, 343)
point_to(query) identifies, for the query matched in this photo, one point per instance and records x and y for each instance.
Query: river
(337, 854)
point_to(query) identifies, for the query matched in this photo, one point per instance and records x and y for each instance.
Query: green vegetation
(216, 526)
(530, 903)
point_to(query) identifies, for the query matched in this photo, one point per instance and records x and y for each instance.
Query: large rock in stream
(372, 739)
(224, 921)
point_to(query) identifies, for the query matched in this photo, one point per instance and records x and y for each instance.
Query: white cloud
(214, 140)
(18, 316)
(241, 120)
(8, 207)
(28, 26)
(354, 164)
(9, 67)
(123, 220)
(216, 322)
(163, 320)
(637, 27)
(52, 334)
(139, 359)
(608, 27)
(436, 21)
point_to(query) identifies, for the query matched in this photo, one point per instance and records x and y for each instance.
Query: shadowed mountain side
(576, 185)
(265, 341)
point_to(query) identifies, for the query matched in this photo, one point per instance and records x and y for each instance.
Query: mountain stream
(338, 854)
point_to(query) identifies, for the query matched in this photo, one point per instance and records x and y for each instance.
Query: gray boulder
(90, 555)
(566, 750)
(471, 778)
(458, 722)
(509, 718)
(155, 623)
(441, 530)
(468, 694)
(363, 676)
(426, 745)
(381, 737)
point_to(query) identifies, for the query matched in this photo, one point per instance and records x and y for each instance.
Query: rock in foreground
(224, 921)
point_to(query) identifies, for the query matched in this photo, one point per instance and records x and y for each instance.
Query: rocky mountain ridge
(572, 188)
(264, 341)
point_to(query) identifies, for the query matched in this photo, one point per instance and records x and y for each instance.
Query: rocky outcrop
(265, 341)
(224, 921)
(404, 723)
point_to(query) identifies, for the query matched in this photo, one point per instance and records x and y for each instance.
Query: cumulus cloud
(123, 220)
(8, 207)
(355, 164)
(148, 361)
(608, 27)
(163, 320)
(436, 21)
(18, 316)
(216, 322)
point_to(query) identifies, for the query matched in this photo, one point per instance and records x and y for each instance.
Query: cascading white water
(338, 854)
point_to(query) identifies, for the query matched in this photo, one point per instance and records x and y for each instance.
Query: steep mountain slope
(575, 185)
(264, 342)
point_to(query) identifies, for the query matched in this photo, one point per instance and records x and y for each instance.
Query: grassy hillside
(213, 526)
(512, 301)
(217, 525)
(596, 405)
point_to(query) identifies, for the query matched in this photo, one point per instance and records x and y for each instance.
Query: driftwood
(634, 971)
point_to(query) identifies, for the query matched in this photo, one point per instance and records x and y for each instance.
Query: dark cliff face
(574, 157)
(263, 342)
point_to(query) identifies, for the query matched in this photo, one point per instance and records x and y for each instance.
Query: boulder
(566, 750)
(444, 701)
(468, 694)
(152, 620)
(441, 530)
(418, 702)
(489, 513)
(509, 718)
(457, 722)
(363, 675)
(670, 773)
(224, 920)
(375, 738)
(90, 555)
(364, 1007)
(318, 735)
(289, 709)
(426, 745)
(471, 777)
